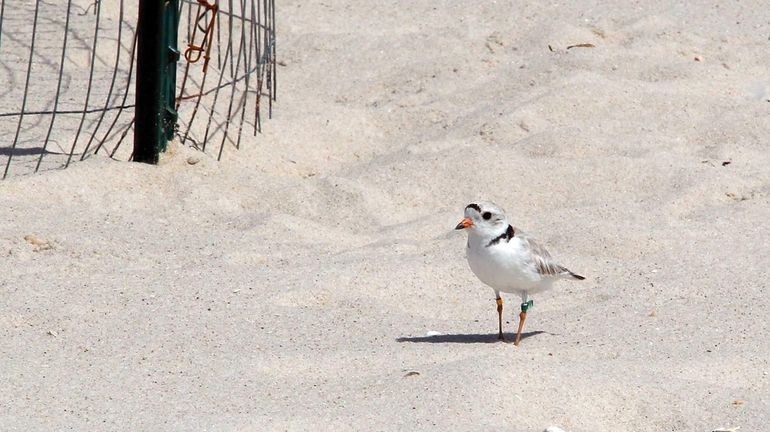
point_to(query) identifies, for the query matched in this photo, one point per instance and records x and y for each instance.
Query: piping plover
(508, 260)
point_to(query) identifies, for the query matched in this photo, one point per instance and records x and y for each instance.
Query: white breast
(505, 266)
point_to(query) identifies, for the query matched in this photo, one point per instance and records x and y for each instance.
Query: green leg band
(527, 305)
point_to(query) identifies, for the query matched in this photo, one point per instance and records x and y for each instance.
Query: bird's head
(484, 219)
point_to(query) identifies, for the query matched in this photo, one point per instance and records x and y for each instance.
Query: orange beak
(465, 223)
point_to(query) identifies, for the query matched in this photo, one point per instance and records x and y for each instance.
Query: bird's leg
(522, 317)
(500, 316)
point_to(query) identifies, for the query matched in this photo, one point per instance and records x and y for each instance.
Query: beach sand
(291, 286)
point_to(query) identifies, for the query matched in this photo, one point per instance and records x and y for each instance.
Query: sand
(291, 286)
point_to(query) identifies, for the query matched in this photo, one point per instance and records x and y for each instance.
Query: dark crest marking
(507, 236)
(473, 206)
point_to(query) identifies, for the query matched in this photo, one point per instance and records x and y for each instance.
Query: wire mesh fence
(67, 72)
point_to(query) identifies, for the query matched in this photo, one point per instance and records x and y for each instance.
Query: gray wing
(543, 262)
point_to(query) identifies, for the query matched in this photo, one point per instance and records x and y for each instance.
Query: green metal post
(156, 59)
(171, 57)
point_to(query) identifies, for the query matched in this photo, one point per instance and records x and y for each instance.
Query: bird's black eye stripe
(474, 206)
(486, 215)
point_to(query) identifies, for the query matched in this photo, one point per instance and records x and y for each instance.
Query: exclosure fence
(68, 72)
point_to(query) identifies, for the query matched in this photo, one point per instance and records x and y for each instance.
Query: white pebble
(433, 333)
(554, 429)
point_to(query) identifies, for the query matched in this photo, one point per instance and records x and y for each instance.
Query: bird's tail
(574, 276)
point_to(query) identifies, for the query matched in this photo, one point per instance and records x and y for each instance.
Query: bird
(508, 260)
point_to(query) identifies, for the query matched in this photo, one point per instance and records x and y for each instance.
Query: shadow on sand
(467, 338)
(20, 151)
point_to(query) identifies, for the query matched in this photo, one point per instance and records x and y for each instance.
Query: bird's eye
(486, 215)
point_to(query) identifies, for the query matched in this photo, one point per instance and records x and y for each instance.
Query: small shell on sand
(34, 240)
(39, 243)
